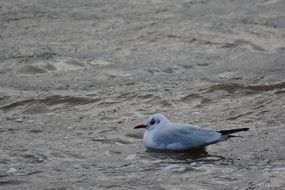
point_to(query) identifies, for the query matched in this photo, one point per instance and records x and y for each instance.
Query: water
(77, 77)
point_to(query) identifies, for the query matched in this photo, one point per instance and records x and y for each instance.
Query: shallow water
(76, 77)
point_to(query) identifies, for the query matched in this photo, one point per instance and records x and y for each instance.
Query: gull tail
(231, 131)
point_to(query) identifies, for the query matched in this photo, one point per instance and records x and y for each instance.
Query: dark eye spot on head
(152, 122)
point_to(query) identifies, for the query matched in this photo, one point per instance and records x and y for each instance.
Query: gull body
(161, 134)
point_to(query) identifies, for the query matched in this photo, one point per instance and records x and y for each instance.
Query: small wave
(11, 182)
(189, 97)
(47, 104)
(248, 89)
(111, 141)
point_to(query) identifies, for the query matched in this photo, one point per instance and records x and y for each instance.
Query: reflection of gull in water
(160, 134)
(196, 155)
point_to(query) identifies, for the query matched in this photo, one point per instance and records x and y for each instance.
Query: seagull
(161, 134)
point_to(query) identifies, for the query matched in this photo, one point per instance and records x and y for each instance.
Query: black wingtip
(230, 131)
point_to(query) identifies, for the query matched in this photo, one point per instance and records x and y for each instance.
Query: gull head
(153, 121)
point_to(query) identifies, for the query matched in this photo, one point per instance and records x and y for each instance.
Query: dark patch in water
(34, 131)
(32, 69)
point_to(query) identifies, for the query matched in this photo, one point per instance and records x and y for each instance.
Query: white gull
(161, 134)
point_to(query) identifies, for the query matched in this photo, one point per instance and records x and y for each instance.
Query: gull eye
(152, 122)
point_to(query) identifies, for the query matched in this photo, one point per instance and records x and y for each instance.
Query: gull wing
(185, 136)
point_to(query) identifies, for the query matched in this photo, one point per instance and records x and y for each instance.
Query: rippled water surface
(77, 76)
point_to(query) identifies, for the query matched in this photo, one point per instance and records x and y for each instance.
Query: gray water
(77, 76)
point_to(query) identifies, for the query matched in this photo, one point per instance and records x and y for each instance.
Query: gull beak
(140, 126)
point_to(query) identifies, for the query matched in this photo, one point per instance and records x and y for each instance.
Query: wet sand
(77, 76)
